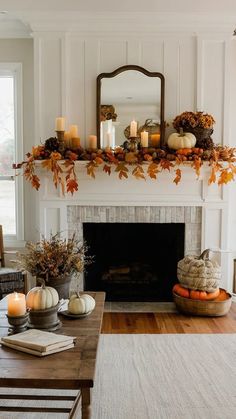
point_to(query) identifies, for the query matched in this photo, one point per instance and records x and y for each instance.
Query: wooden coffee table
(73, 369)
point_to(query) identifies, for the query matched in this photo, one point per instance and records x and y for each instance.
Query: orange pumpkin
(198, 295)
(183, 292)
(184, 151)
(222, 296)
(213, 295)
(197, 150)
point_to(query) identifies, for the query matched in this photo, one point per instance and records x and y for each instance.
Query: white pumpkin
(199, 273)
(81, 304)
(181, 140)
(41, 298)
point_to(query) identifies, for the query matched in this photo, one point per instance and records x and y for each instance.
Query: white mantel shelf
(110, 191)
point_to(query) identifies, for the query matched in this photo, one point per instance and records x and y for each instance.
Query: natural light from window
(7, 155)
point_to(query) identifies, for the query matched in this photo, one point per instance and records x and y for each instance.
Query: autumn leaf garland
(221, 161)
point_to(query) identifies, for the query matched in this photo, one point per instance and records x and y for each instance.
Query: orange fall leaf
(177, 178)
(107, 169)
(225, 177)
(138, 172)
(72, 186)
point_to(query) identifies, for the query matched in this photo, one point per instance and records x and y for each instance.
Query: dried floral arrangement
(54, 257)
(123, 161)
(193, 119)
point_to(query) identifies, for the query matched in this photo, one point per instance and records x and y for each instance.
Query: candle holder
(17, 323)
(133, 144)
(60, 137)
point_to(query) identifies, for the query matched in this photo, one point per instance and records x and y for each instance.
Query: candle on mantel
(144, 139)
(60, 124)
(67, 137)
(92, 141)
(155, 140)
(16, 304)
(75, 143)
(73, 131)
(133, 129)
(109, 140)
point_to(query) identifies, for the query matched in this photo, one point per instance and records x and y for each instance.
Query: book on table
(38, 342)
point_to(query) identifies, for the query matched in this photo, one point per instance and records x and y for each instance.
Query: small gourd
(42, 298)
(180, 140)
(81, 304)
(199, 273)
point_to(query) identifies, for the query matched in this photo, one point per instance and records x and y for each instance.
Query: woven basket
(199, 132)
(201, 307)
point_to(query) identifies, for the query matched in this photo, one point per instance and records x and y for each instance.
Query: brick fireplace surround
(204, 209)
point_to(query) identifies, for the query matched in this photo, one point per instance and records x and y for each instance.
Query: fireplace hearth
(134, 261)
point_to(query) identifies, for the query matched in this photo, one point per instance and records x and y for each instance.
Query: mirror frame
(148, 74)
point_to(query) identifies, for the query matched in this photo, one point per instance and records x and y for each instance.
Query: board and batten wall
(196, 70)
(199, 71)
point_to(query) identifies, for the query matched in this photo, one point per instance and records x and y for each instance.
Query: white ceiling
(226, 6)
(32, 15)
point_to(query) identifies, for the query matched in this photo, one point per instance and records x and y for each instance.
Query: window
(11, 192)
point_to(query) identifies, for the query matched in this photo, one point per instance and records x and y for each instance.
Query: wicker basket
(199, 132)
(201, 307)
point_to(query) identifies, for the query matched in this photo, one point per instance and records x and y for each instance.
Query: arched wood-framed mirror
(129, 93)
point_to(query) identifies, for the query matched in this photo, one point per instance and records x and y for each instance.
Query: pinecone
(206, 155)
(52, 144)
(206, 143)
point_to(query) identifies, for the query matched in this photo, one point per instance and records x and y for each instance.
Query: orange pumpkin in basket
(183, 292)
(198, 295)
(213, 295)
(223, 295)
(203, 295)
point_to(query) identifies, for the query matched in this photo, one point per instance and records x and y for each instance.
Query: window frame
(15, 70)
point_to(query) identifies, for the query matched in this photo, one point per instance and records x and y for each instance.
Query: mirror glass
(130, 93)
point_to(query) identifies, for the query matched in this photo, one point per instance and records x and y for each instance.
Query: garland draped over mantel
(221, 160)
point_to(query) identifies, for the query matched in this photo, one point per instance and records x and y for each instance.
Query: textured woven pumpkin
(199, 273)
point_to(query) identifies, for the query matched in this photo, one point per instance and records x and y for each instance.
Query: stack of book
(38, 342)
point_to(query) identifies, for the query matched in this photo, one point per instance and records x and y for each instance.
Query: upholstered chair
(10, 279)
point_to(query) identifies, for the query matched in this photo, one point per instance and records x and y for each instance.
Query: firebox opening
(134, 261)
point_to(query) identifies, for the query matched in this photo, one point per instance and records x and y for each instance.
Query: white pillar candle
(60, 124)
(16, 304)
(144, 139)
(73, 131)
(92, 141)
(109, 139)
(133, 129)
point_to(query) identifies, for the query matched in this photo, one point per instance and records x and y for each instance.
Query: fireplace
(134, 261)
(136, 249)
(203, 209)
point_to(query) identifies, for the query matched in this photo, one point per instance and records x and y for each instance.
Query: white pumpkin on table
(81, 304)
(42, 298)
(180, 140)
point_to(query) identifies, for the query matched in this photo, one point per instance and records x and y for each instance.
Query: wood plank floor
(168, 323)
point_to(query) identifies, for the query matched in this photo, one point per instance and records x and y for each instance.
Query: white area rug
(162, 376)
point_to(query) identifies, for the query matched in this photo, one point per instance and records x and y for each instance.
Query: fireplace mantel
(110, 191)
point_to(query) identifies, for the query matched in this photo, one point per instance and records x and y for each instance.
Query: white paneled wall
(199, 75)
(196, 70)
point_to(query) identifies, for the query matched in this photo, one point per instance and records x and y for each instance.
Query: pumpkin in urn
(42, 298)
(199, 273)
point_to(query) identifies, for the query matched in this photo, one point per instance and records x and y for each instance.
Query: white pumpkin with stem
(81, 304)
(181, 140)
(42, 298)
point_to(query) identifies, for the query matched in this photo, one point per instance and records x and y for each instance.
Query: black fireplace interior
(133, 261)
